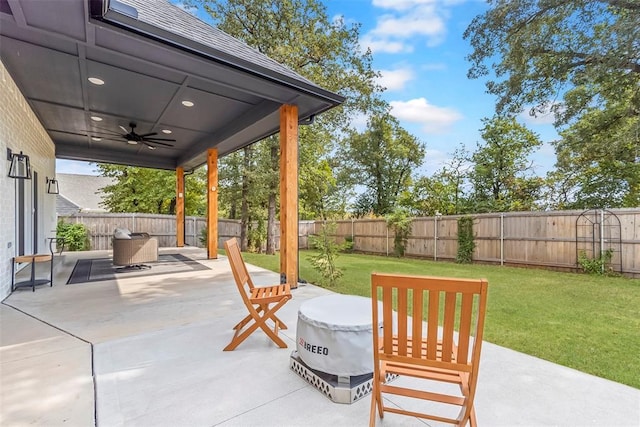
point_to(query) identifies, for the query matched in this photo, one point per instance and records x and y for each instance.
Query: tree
(299, 34)
(382, 159)
(443, 192)
(499, 173)
(585, 51)
(150, 190)
(579, 59)
(601, 170)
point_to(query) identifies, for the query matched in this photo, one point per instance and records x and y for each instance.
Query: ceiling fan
(133, 138)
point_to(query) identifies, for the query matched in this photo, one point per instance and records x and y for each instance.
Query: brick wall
(20, 130)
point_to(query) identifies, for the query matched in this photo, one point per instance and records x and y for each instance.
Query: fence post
(387, 240)
(352, 233)
(501, 238)
(601, 239)
(435, 237)
(133, 221)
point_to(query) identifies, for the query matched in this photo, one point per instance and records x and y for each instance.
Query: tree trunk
(244, 209)
(271, 208)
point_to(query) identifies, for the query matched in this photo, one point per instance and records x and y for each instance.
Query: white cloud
(434, 119)
(400, 4)
(396, 79)
(424, 21)
(381, 45)
(407, 22)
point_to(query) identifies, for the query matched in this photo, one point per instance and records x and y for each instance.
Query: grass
(589, 323)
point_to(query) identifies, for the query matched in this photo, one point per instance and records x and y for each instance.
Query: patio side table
(33, 260)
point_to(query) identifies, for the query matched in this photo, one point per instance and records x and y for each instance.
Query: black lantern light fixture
(52, 186)
(20, 166)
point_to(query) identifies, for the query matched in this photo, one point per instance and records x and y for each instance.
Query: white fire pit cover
(334, 334)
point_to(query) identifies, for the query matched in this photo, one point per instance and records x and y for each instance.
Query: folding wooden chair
(428, 353)
(258, 301)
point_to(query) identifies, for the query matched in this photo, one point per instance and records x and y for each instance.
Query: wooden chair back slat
(432, 324)
(387, 316)
(464, 329)
(448, 325)
(416, 321)
(402, 322)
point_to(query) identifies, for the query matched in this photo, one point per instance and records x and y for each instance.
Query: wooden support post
(180, 206)
(289, 193)
(212, 203)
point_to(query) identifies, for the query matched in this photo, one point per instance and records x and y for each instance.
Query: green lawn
(585, 322)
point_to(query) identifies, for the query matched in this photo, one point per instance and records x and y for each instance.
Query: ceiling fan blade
(103, 130)
(110, 139)
(124, 129)
(146, 141)
(148, 134)
(91, 133)
(160, 139)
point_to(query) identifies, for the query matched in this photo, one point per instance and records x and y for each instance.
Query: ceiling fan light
(132, 142)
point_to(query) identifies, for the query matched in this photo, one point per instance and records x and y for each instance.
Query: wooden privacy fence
(544, 239)
(162, 227)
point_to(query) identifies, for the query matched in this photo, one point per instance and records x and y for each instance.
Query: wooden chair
(404, 346)
(258, 301)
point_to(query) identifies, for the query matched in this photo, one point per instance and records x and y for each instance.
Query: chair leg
(259, 322)
(472, 419)
(13, 275)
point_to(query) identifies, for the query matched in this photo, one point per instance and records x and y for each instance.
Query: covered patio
(148, 352)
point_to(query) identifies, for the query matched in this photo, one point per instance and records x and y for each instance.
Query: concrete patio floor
(148, 352)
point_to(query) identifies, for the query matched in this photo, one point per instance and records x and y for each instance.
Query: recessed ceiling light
(95, 138)
(151, 148)
(132, 142)
(188, 103)
(96, 81)
(96, 118)
(167, 131)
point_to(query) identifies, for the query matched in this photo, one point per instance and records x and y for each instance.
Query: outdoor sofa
(133, 248)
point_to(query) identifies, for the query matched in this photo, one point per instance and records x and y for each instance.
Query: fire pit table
(334, 346)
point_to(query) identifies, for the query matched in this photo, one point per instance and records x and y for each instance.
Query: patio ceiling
(152, 56)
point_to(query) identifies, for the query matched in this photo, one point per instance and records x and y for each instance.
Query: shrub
(347, 246)
(599, 266)
(325, 261)
(399, 222)
(466, 245)
(76, 236)
(203, 237)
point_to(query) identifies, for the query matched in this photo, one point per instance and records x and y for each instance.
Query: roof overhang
(151, 56)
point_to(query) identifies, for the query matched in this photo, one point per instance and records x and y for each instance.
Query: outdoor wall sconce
(52, 186)
(20, 166)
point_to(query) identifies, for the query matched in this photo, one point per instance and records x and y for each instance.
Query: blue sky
(418, 48)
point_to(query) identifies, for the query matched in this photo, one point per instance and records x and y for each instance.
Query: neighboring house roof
(80, 193)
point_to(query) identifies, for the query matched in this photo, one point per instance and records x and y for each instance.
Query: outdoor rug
(98, 269)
